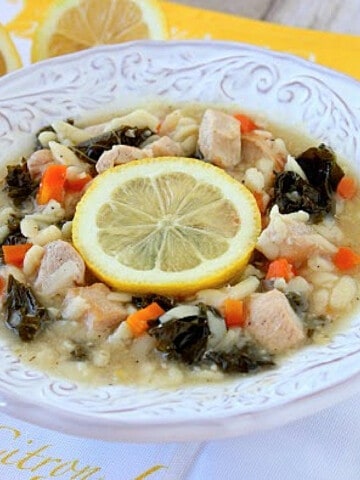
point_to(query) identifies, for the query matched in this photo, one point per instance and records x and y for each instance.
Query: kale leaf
(19, 184)
(166, 303)
(292, 193)
(298, 302)
(182, 339)
(23, 313)
(91, 150)
(15, 237)
(320, 166)
(314, 195)
(247, 359)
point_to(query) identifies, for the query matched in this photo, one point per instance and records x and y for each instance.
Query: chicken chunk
(61, 268)
(273, 323)
(92, 306)
(118, 155)
(257, 145)
(291, 237)
(38, 161)
(220, 139)
(164, 147)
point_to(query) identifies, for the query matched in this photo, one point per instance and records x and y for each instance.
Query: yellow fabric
(337, 51)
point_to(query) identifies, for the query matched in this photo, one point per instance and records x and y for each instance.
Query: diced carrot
(345, 258)
(234, 313)
(15, 254)
(76, 184)
(280, 268)
(259, 201)
(347, 187)
(52, 184)
(246, 123)
(138, 321)
(2, 285)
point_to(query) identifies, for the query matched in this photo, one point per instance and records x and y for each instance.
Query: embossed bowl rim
(328, 108)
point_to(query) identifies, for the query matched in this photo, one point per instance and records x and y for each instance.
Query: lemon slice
(72, 25)
(26, 21)
(9, 56)
(166, 225)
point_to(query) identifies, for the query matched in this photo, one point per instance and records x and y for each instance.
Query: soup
(300, 280)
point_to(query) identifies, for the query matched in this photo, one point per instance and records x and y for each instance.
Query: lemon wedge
(72, 25)
(166, 225)
(9, 56)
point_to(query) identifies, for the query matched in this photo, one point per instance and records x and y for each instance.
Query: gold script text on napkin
(21, 454)
(36, 460)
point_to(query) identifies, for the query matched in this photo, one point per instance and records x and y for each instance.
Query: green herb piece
(314, 324)
(80, 353)
(298, 302)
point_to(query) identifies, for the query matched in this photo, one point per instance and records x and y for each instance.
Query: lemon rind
(10, 53)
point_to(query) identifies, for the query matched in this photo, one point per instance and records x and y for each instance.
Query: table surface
(342, 16)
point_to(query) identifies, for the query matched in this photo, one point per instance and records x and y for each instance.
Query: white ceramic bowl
(325, 103)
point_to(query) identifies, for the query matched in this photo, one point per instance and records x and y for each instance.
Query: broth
(320, 296)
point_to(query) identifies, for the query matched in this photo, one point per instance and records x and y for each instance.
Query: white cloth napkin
(324, 446)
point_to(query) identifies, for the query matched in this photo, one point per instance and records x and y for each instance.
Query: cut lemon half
(72, 25)
(166, 225)
(9, 56)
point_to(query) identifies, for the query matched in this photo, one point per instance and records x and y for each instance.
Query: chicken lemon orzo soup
(173, 245)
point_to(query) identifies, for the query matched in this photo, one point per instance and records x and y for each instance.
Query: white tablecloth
(324, 446)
